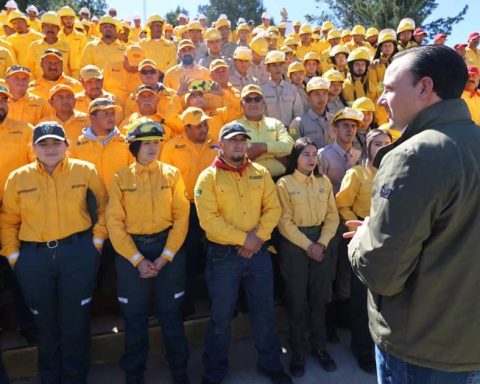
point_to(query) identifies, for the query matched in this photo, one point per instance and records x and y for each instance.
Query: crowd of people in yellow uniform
(155, 148)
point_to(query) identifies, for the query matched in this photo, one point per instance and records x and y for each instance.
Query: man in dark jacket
(419, 252)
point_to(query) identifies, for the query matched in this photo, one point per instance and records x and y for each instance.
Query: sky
(297, 9)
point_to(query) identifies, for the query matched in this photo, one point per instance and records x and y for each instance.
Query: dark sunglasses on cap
(148, 71)
(256, 99)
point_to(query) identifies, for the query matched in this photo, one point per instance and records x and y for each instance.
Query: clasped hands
(149, 269)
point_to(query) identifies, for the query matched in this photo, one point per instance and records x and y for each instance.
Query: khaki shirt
(282, 101)
(315, 127)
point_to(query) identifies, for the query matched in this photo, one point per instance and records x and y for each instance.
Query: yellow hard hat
(348, 114)
(251, 88)
(154, 18)
(326, 25)
(286, 49)
(193, 116)
(358, 30)
(107, 20)
(212, 34)
(372, 31)
(297, 23)
(243, 27)
(66, 11)
(387, 35)
(346, 32)
(406, 24)
(305, 28)
(194, 25)
(296, 66)
(364, 104)
(334, 75)
(259, 45)
(222, 23)
(16, 15)
(282, 26)
(339, 49)
(359, 54)
(291, 41)
(217, 63)
(243, 53)
(184, 44)
(318, 83)
(273, 28)
(275, 57)
(144, 129)
(50, 18)
(311, 56)
(334, 34)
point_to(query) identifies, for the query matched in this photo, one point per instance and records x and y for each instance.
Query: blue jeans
(391, 370)
(225, 273)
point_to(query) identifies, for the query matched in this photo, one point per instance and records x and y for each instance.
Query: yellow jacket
(101, 54)
(118, 81)
(353, 198)
(76, 41)
(353, 89)
(20, 44)
(5, 44)
(143, 200)
(306, 201)
(41, 86)
(189, 158)
(15, 147)
(29, 108)
(41, 207)
(6, 60)
(109, 155)
(73, 125)
(279, 143)
(174, 74)
(229, 205)
(230, 98)
(473, 103)
(302, 50)
(35, 52)
(162, 51)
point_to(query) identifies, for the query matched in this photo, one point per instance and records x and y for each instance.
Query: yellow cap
(194, 25)
(212, 34)
(146, 88)
(66, 11)
(305, 28)
(135, 55)
(291, 41)
(318, 83)
(243, 27)
(155, 18)
(326, 25)
(193, 116)
(89, 72)
(144, 129)
(222, 23)
(346, 32)
(406, 24)
(17, 69)
(52, 52)
(251, 88)
(339, 49)
(372, 31)
(359, 54)
(185, 43)
(58, 88)
(107, 20)
(333, 75)
(16, 15)
(387, 35)
(242, 53)
(218, 63)
(296, 66)
(282, 26)
(259, 45)
(147, 63)
(348, 114)
(334, 34)
(275, 57)
(364, 104)
(312, 55)
(297, 23)
(358, 30)
(101, 104)
(50, 18)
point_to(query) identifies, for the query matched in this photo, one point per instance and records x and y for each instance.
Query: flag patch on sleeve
(385, 192)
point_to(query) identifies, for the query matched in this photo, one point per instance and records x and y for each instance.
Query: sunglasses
(256, 99)
(148, 71)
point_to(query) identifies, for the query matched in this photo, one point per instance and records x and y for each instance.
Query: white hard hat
(11, 4)
(265, 15)
(84, 10)
(222, 17)
(32, 8)
(182, 16)
(136, 16)
(202, 17)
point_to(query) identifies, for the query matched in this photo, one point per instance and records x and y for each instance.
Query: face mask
(187, 60)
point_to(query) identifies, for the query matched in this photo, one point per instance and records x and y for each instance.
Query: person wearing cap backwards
(187, 70)
(471, 95)
(62, 100)
(315, 123)
(270, 141)
(282, 100)
(213, 39)
(353, 203)
(149, 250)
(335, 97)
(49, 239)
(105, 50)
(23, 36)
(472, 57)
(358, 82)
(238, 208)
(239, 74)
(405, 37)
(75, 40)
(192, 152)
(51, 64)
(92, 81)
(257, 70)
(33, 21)
(50, 28)
(419, 35)
(223, 26)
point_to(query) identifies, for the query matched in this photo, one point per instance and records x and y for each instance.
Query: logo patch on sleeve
(385, 192)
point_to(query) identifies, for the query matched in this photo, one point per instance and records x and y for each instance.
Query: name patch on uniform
(257, 177)
(180, 146)
(164, 187)
(129, 190)
(74, 186)
(293, 193)
(15, 132)
(385, 192)
(26, 190)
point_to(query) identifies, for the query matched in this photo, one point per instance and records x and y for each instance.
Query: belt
(152, 238)
(52, 244)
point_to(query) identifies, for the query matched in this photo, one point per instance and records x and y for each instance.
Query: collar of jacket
(443, 112)
(146, 168)
(88, 132)
(222, 164)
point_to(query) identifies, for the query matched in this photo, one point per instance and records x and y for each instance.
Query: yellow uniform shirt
(143, 200)
(352, 89)
(5, 44)
(279, 143)
(118, 81)
(15, 147)
(473, 103)
(20, 44)
(29, 108)
(354, 197)
(174, 74)
(35, 24)
(40, 207)
(230, 98)
(162, 51)
(76, 41)
(41, 87)
(189, 158)
(229, 205)
(99, 53)
(108, 157)
(219, 117)
(135, 33)
(306, 201)
(302, 50)
(73, 125)
(6, 60)
(35, 52)
(82, 101)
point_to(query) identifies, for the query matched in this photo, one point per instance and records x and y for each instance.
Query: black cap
(233, 129)
(48, 130)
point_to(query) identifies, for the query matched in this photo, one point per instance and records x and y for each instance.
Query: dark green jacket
(419, 253)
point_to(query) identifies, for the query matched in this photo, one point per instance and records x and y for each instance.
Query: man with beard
(358, 82)
(75, 40)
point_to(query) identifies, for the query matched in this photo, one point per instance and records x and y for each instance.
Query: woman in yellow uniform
(309, 221)
(353, 203)
(147, 219)
(46, 235)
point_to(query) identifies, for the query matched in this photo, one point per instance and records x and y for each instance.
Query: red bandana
(473, 92)
(220, 163)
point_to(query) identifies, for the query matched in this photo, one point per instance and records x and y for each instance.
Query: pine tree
(172, 16)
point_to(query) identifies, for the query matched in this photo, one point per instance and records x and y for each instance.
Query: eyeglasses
(148, 71)
(256, 99)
